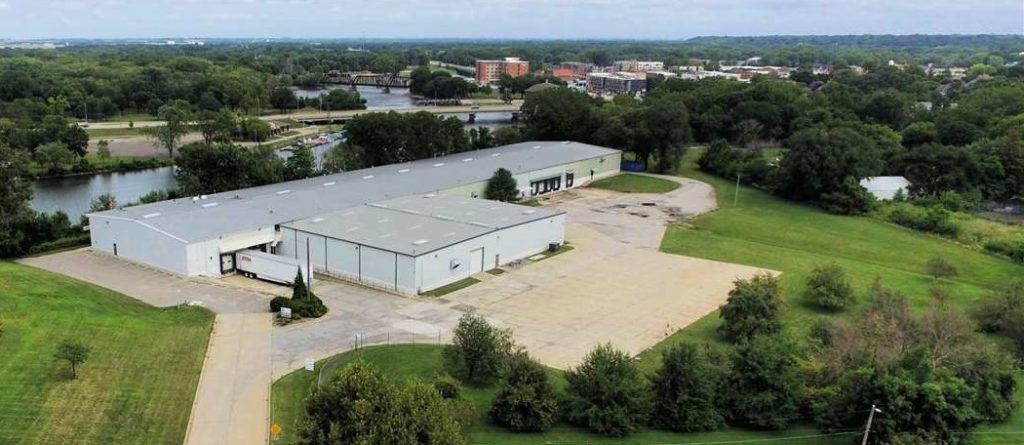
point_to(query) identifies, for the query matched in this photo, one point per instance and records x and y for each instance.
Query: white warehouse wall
(433, 269)
(139, 243)
(363, 264)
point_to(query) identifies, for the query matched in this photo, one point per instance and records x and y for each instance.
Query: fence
(385, 339)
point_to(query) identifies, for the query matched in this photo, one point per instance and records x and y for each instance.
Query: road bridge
(334, 117)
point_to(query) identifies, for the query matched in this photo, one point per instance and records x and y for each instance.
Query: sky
(540, 19)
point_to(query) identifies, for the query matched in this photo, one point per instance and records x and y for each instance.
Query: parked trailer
(265, 266)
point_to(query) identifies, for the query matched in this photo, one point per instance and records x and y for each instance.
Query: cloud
(4, 6)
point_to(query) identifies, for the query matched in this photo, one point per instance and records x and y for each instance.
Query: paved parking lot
(150, 285)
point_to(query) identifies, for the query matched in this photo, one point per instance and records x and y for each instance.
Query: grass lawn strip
(630, 183)
(137, 385)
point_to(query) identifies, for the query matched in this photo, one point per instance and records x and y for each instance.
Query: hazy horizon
(494, 20)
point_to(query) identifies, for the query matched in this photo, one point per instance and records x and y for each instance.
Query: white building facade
(198, 236)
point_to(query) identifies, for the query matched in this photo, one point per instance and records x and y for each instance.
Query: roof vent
(467, 160)
(382, 220)
(211, 204)
(536, 147)
(368, 177)
(420, 242)
(352, 229)
(404, 170)
(284, 192)
(410, 211)
(439, 164)
(566, 142)
(316, 220)
(151, 215)
(496, 155)
(195, 198)
(328, 184)
(529, 212)
(386, 235)
(480, 224)
(446, 218)
(449, 234)
(203, 196)
(377, 205)
(417, 226)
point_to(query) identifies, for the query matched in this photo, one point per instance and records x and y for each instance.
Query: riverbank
(94, 165)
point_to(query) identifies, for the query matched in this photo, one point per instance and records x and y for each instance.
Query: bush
(479, 351)
(359, 405)
(685, 391)
(607, 393)
(934, 220)
(304, 302)
(1013, 251)
(752, 308)
(448, 387)
(763, 385)
(940, 267)
(828, 287)
(77, 240)
(279, 302)
(526, 401)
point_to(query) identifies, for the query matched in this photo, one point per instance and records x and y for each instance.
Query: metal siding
(139, 243)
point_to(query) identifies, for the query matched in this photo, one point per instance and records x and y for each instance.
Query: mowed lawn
(138, 384)
(630, 183)
(766, 231)
(401, 363)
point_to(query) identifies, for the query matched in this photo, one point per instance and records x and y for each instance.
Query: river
(74, 193)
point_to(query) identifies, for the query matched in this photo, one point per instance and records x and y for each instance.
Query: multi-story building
(638, 66)
(489, 71)
(616, 83)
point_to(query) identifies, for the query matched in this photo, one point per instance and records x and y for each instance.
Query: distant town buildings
(638, 66)
(489, 71)
(616, 83)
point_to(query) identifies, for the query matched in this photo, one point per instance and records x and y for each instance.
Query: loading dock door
(476, 261)
(227, 263)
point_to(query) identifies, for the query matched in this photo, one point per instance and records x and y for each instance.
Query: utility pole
(309, 272)
(867, 428)
(736, 195)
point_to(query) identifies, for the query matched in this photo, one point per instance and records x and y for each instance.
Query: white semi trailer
(265, 266)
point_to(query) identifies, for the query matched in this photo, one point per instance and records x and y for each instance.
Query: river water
(73, 194)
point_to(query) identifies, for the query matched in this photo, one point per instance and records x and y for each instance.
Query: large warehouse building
(407, 227)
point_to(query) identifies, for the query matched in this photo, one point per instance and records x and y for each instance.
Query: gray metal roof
(419, 224)
(215, 215)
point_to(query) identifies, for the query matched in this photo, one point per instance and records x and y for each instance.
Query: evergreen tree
(502, 187)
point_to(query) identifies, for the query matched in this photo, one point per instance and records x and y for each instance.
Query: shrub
(1013, 251)
(279, 302)
(940, 267)
(359, 405)
(81, 239)
(752, 308)
(828, 287)
(526, 401)
(934, 220)
(763, 385)
(448, 387)
(607, 393)
(685, 391)
(304, 302)
(479, 351)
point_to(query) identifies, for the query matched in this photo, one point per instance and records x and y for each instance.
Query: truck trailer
(265, 266)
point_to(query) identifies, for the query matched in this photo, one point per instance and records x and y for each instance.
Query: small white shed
(885, 187)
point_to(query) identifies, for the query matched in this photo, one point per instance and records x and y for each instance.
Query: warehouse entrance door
(476, 261)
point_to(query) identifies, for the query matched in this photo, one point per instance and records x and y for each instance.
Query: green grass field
(766, 231)
(403, 362)
(449, 288)
(138, 384)
(630, 183)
